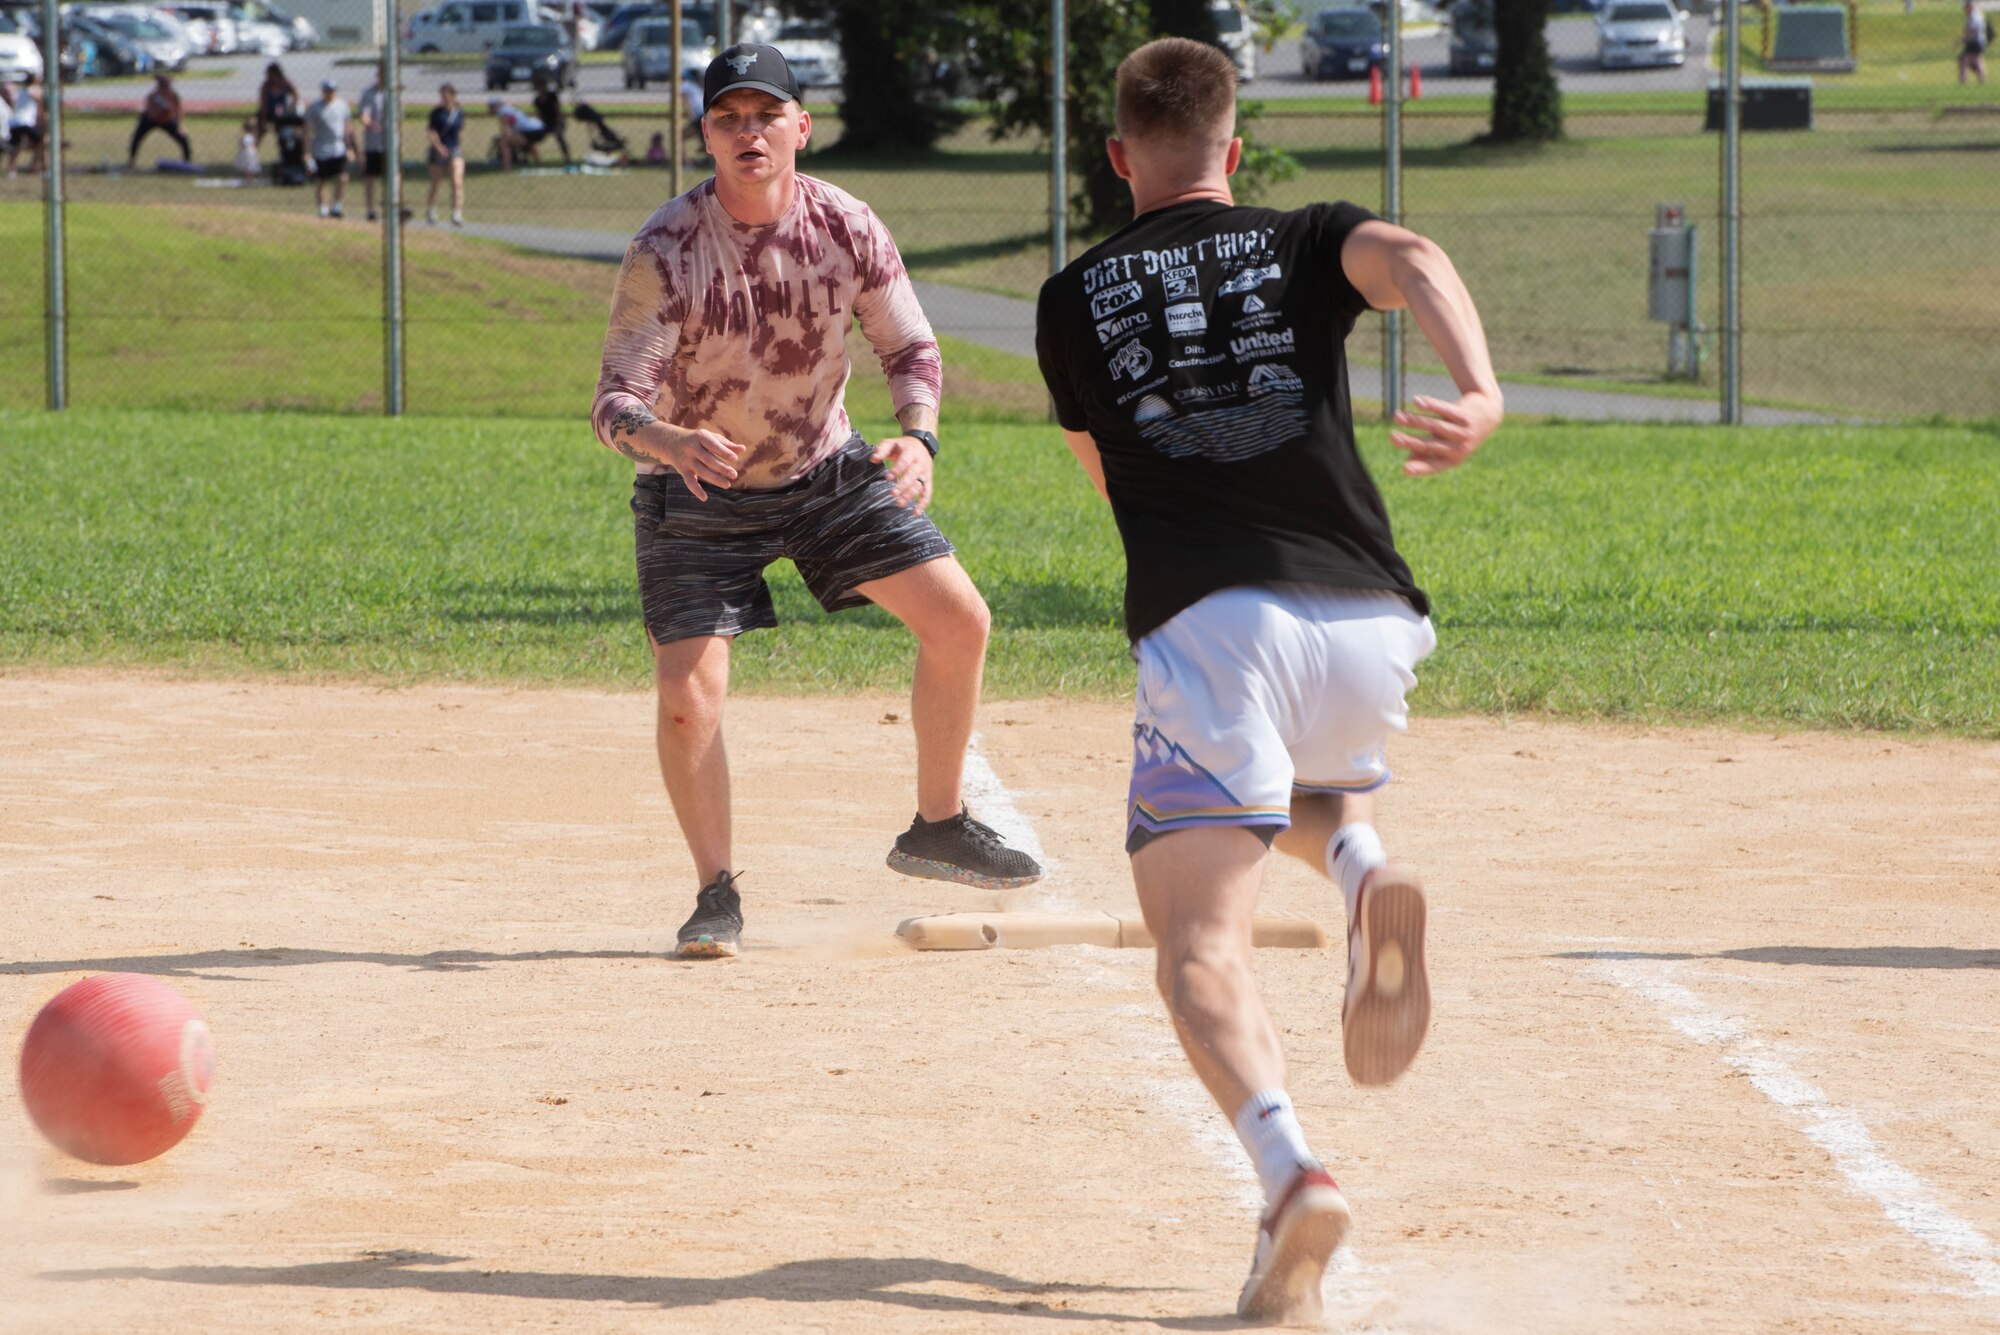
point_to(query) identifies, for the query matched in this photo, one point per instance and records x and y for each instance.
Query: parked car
(523, 52)
(259, 31)
(298, 28)
(619, 26)
(648, 56)
(1641, 32)
(1238, 37)
(464, 25)
(1342, 43)
(601, 10)
(211, 27)
(157, 34)
(117, 56)
(813, 52)
(565, 13)
(1474, 45)
(20, 58)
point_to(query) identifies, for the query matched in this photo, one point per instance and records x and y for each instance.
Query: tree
(1527, 104)
(1012, 37)
(889, 100)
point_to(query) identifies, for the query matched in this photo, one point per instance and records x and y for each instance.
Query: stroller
(607, 147)
(290, 168)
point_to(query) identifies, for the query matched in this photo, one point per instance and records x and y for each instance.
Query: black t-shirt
(448, 125)
(1203, 347)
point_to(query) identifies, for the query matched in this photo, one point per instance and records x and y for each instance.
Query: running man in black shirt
(1197, 362)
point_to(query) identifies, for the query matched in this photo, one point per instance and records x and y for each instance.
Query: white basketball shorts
(1262, 690)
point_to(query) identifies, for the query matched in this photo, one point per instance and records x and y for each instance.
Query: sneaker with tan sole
(1388, 1007)
(1295, 1242)
(715, 931)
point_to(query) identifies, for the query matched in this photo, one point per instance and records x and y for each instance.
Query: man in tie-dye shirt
(723, 378)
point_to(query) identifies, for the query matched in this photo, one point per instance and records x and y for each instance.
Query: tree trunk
(884, 105)
(1527, 104)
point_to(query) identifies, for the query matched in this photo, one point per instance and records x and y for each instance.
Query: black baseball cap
(750, 65)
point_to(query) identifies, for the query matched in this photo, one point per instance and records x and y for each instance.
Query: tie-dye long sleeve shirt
(742, 330)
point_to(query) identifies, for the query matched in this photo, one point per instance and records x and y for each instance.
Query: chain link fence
(1868, 247)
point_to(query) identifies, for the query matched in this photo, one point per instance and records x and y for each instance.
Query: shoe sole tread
(930, 870)
(1300, 1254)
(1383, 1034)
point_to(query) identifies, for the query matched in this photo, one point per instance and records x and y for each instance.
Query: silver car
(649, 51)
(1640, 32)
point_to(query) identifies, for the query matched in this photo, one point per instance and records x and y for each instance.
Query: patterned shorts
(701, 563)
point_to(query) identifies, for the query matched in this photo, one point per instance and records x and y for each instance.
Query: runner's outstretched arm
(1394, 268)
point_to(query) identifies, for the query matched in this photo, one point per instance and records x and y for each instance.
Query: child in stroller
(290, 168)
(607, 147)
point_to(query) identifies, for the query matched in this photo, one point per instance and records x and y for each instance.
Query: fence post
(1058, 137)
(1732, 215)
(679, 117)
(1392, 205)
(392, 214)
(55, 252)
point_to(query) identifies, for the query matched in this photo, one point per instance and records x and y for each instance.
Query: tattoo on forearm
(624, 426)
(631, 451)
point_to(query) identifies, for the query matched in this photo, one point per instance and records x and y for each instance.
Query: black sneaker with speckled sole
(716, 929)
(961, 849)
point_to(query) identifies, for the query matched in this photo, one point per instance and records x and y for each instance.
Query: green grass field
(1807, 577)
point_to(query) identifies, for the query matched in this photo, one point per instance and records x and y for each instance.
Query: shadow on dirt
(919, 1284)
(194, 963)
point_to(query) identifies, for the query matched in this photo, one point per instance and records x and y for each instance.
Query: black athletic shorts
(701, 563)
(331, 168)
(22, 135)
(371, 162)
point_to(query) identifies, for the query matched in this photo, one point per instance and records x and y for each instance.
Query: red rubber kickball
(116, 1068)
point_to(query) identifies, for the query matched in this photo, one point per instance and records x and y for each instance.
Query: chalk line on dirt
(1904, 1197)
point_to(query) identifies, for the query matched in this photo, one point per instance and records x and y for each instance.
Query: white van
(464, 25)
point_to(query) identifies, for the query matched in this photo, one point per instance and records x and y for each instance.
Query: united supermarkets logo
(1263, 343)
(1271, 378)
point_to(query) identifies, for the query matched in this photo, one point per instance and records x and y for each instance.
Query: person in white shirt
(519, 132)
(23, 115)
(330, 137)
(1978, 36)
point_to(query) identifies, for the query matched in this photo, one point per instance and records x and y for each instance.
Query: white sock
(1270, 1131)
(1353, 852)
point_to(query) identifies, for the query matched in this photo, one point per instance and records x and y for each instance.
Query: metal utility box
(1672, 266)
(1670, 288)
(1768, 104)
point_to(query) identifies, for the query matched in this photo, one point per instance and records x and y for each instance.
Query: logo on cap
(742, 64)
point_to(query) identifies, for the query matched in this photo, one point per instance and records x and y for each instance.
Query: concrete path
(1008, 324)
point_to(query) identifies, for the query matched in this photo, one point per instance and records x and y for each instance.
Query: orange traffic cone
(1374, 85)
(1416, 81)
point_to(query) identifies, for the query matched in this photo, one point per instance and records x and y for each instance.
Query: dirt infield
(1715, 1043)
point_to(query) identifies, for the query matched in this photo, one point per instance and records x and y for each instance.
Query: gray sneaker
(716, 929)
(959, 848)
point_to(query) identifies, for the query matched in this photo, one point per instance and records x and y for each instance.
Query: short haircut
(1176, 90)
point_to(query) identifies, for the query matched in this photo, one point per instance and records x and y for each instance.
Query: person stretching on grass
(1197, 363)
(723, 376)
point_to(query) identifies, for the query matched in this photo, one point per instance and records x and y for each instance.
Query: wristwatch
(928, 440)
